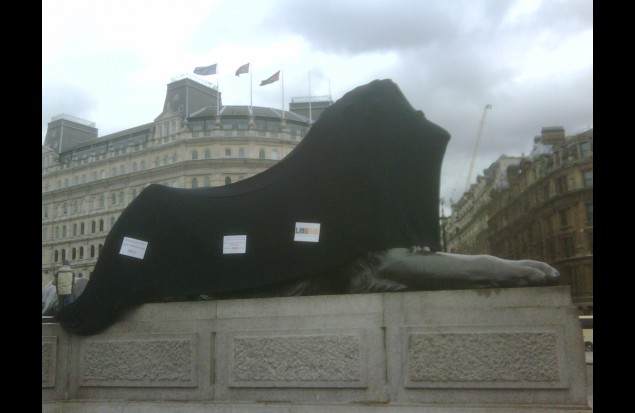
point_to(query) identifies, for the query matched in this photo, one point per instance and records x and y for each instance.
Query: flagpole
(251, 88)
(310, 115)
(217, 91)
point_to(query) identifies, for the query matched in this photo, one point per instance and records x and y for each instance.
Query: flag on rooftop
(205, 70)
(274, 78)
(242, 69)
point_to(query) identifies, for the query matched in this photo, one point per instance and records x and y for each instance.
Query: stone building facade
(466, 229)
(546, 213)
(194, 142)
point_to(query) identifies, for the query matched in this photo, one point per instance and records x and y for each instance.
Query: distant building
(541, 210)
(466, 228)
(194, 142)
(310, 106)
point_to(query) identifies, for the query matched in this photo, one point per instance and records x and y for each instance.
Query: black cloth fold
(368, 172)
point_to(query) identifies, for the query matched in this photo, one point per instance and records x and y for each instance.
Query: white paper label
(307, 232)
(133, 248)
(234, 244)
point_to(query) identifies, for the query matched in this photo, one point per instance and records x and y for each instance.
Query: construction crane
(478, 140)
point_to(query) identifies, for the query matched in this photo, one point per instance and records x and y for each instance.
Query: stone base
(518, 350)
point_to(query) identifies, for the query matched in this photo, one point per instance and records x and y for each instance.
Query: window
(94, 227)
(194, 154)
(101, 201)
(101, 225)
(194, 183)
(568, 249)
(113, 199)
(121, 197)
(208, 182)
(587, 176)
(561, 185)
(99, 248)
(589, 212)
(113, 172)
(81, 229)
(65, 208)
(228, 153)
(81, 253)
(46, 211)
(74, 230)
(143, 165)
(241, 153)
(63, 254)
(83, 179)
(92, 251)
(563, 217)
(74, 254)
(585, 149)
(64, 231)
(208, 154)
(274, 154)
(261, 154)
(134, 167)
(134, 193)
(228, 180)
(57, 256)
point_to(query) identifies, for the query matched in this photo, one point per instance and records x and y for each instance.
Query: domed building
(195, 142)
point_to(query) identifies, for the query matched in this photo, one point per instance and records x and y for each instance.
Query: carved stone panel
(509, 359)
(313, 359)
(49, 356)
(139, 361)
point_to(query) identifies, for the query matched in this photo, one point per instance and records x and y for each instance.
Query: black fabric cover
(368, 171)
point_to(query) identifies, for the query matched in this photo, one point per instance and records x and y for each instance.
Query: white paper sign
(234, 244)
(133, 247)
(307, 232)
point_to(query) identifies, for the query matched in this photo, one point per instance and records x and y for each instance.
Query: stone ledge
(467, 349)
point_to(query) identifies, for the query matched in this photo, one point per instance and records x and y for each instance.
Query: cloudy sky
(110, 62)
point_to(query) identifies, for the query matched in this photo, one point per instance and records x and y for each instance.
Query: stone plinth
(517, 350)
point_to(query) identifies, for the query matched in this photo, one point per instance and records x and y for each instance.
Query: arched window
(101, 201)
(274, 154)
(228, 153)
(57, 256)
(208, 182)
(64, 231)
(113, 171)
(65, 208)
(94, 202)
(143, 165)
(74, 230)
(94, 227)
(102, 174)
(63, 254)
(194, 154)
(81, 253)
(241, 153)
(81, 229)
(75, 205)
(121, 197)
(194, 183)
(92, 251)
(99, 248)
(208, 154)
(134, 167)
(57, 232)
(122, 169)
(101, 225)
(261, 154)
(228, 180)
(112, 221)
(74, 254)
(76, 180)
(113, 199)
